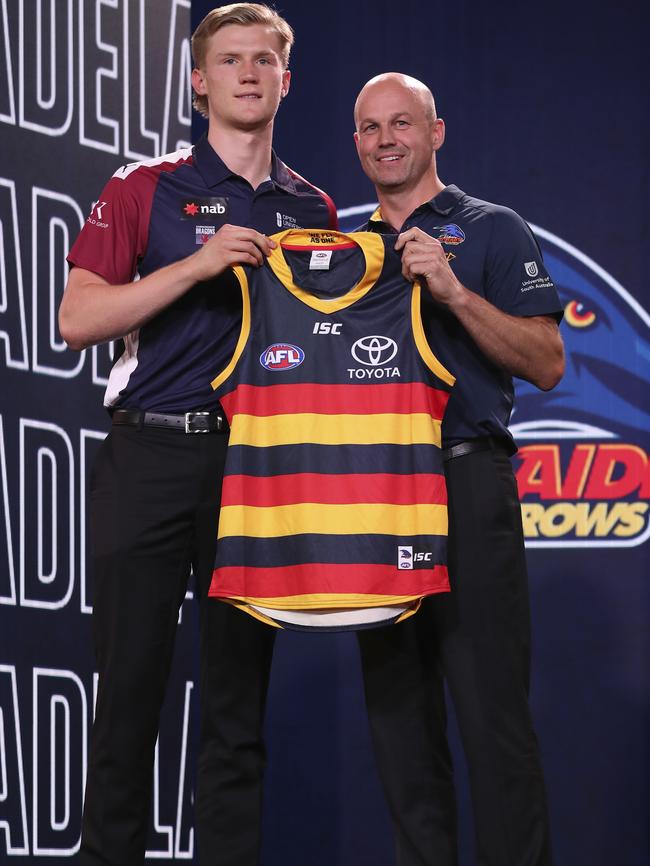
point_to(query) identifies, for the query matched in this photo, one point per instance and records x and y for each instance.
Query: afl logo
(282, 356)
(374, 351)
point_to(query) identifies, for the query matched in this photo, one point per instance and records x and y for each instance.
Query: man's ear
(197, 82)
(438, 133)
(286, 83)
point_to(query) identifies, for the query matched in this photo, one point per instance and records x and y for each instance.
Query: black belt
(188, 422)
(482, 443)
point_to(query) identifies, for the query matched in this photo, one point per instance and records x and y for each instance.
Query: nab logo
(193, 208)
(282, 356)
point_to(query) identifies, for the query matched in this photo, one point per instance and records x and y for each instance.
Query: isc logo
(282, 356)
(327, 328)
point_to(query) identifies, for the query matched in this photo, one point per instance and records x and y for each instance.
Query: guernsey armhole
(240, 274)
(421, 341)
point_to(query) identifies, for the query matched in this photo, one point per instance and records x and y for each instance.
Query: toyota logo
(374, 351)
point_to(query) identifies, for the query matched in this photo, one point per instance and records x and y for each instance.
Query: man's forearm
(528, 347)
(94, 311)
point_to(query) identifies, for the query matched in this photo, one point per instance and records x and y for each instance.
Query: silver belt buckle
(190, 417)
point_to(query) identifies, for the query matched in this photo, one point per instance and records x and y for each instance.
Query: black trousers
(154, 507)
(478, 638)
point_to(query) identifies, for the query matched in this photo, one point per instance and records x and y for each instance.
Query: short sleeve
(516, 279)
(114, 236)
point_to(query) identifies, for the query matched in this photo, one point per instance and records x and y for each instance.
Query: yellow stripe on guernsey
(373, 250)
(264, 431)
(421, 341)
(344, 519)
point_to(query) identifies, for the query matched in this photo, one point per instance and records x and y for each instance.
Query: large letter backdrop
(538, 120)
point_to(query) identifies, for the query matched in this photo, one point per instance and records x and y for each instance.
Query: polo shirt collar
(209, 164)
(446, 201)
(214, 170)
(443, 204)
(281, 176)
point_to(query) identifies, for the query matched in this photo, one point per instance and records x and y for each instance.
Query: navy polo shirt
(493, 252)
(156, 212)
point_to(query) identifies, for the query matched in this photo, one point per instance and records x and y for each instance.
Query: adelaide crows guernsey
(333, 510)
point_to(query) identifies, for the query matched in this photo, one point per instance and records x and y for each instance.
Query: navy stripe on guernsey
(334, 507)
(278, 552)
(278, 459)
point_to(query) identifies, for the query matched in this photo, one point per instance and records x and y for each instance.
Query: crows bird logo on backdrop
(582, 466)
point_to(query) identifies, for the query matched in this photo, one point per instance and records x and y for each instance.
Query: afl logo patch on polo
(374, 351)
(282, 356)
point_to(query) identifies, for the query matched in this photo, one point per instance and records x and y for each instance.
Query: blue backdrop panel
(544, 113)
(539, 118)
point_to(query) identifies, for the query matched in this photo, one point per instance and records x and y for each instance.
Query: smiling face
(242, 77)
(397, 134)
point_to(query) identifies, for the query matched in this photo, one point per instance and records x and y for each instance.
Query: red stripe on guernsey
(331, 207)
(333, 489)
(327, 578)
(303, 247)
(395, 397)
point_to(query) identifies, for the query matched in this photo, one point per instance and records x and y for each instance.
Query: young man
(151, 267)
(493, 313)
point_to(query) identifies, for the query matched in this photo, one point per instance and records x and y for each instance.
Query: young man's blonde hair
(243, 14)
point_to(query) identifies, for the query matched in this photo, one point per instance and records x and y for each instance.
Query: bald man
(492, 313)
